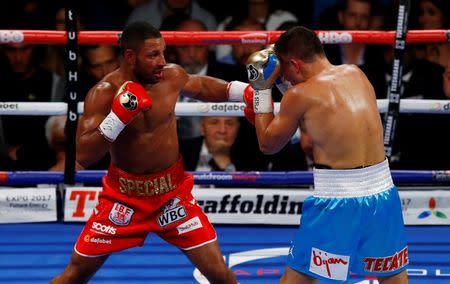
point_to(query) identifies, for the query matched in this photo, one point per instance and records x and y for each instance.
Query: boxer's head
(143, 51)
(295, 49)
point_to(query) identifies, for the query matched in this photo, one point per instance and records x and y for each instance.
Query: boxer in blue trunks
(353, 222)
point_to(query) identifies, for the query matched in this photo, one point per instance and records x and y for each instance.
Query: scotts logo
(388, 263)
(329, 265)
(128, 101)
(171, 212)
(99, 227)
(252, 73)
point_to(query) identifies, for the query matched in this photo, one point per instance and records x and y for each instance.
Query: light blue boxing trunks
(352, 223)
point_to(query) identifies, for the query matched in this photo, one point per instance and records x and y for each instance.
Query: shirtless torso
(341, 118)
(149, 143)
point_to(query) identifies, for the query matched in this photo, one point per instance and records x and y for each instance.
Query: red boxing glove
(249, 111)
(130, 100)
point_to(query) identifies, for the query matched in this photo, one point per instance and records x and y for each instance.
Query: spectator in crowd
(24, 80)
(197, 59)
(329, 17)
(96, 62)
(155, 11)
(6, 163)
(212, 151)
(56, 53)
(433, 14)
(446, 80)
(356, 15)
(238, 53)
(269, 14)
(353, 15)
(419, 140)
(56, 139)
(105, 14)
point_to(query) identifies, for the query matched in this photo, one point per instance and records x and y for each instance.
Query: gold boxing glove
(263, 68)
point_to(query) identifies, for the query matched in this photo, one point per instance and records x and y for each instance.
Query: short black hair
(301, 43)
(136, 33)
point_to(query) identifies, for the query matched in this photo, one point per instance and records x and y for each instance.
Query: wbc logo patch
(120, 214)
(171, 212)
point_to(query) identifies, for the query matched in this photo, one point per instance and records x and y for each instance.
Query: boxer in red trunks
(131, 114)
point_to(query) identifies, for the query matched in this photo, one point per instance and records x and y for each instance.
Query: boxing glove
(249, 110)
(263, 69)
(130, 100)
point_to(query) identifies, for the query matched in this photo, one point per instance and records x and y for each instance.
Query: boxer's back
(342, 118)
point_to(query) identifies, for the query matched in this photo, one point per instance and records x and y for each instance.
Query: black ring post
(72, 90)
(391, 117)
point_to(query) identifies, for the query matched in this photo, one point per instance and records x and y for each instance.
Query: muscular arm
(91, 145)
(274, 132)
(206, 88)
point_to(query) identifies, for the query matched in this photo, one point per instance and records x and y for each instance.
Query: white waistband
(352, 182)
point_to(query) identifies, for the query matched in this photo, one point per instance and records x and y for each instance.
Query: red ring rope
(220, 37)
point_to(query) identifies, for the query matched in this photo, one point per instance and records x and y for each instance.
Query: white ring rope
(215, 109)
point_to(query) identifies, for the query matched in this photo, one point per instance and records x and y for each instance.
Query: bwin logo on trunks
(172, 212)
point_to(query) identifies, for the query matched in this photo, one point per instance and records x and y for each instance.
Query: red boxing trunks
(131, 206)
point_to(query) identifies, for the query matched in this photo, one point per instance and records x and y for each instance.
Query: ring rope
(223, 37)
(220, 178)
(215, 109)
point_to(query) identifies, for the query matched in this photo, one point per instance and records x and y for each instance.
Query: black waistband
(327, 167)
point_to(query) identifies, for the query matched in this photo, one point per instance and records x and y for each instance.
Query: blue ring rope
(220, 178)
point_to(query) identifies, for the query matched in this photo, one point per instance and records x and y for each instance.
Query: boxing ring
(257, 224)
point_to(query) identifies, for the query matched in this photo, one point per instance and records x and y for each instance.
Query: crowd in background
(35, 73)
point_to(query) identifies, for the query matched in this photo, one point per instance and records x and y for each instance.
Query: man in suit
(213, 150)
(196, 59)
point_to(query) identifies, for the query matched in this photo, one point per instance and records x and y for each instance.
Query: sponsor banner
(251, 206)
(80, 202)
(27, 205)
(426, 207)
(260, 206)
